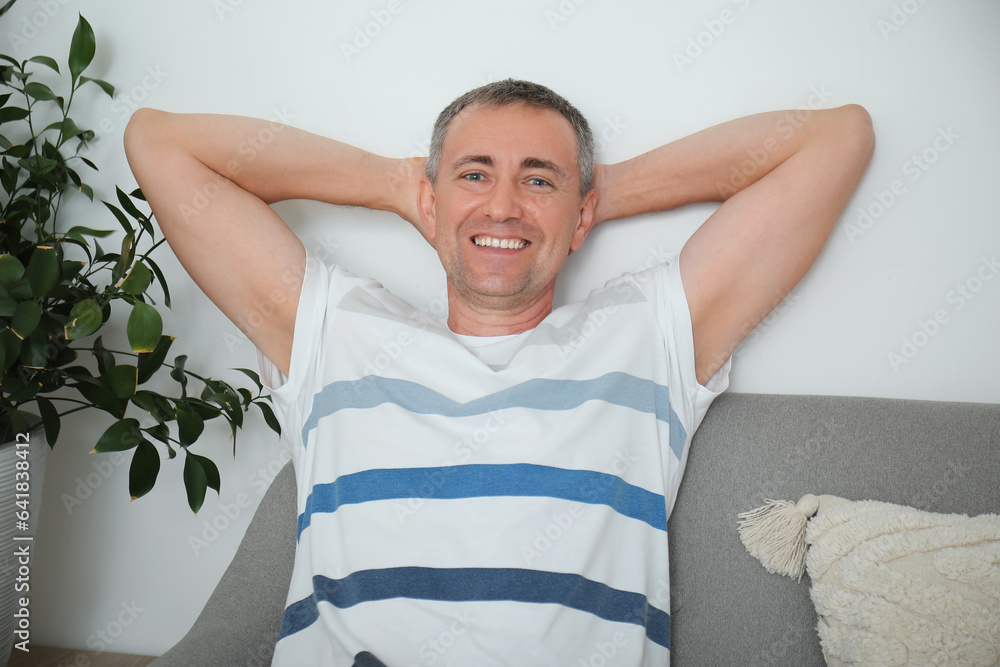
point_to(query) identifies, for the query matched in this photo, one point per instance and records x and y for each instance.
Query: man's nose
(503, 201)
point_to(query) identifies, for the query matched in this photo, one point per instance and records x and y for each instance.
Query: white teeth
(490, 242)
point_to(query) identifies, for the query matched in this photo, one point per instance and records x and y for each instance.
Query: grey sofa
(726, 610)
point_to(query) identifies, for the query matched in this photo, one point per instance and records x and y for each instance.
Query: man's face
(508, 177)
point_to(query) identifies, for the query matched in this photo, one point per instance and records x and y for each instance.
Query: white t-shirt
(485, 501)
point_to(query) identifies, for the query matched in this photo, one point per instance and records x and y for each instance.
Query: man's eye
(539, 181)
(474, 176)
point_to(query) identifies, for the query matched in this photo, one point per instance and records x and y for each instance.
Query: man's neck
(471, 319)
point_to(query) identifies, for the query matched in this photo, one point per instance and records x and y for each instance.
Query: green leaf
(11, 347)
(150, 362)
(18, 390)
(18, 151)
(21, 289)
(122, 380)
(68, 129)
(70, 269)
(161, 433)
(82, 48)
(8, 114)
(144, 327)
(39, 91)
(34, 350)
(105, 86)
(86, 248)
(269, 417)
(78, 232)
(160, 279)
(27, 315)
(85, 318)
(205, 410)
(190, 424)
(122, 220)
(17, 423)
(211, 471)
(11, 269)
(252, 375)
(65, 355)
(126, 256)
(97, 392)
(156, 405)
(195, 482)
(7, 306)
(137, 280)
(177, 372)
(233, 408)
(129, 207)
(45, 60)
(143, 470)
(50, 419)
(105, 359)
(120, 436)
(43, 270)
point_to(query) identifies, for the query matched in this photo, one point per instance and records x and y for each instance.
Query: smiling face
(505, 212)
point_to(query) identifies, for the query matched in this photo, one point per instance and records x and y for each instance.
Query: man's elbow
(856, 129)
(141, 131)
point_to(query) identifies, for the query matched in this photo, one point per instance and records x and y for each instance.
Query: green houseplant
(53, 299)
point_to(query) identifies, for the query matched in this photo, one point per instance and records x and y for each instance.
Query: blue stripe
(478, 480)
(538, 394)
(479, 585)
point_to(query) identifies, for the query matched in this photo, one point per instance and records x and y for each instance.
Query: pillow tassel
(775, 534)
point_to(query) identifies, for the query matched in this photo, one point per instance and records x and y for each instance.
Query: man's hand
(784, 181)
(405, 186)
(605, 209)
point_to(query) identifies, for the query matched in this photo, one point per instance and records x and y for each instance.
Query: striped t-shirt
(485, 501)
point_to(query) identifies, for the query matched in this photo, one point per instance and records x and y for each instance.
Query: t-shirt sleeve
(665, 289)
(288, 391)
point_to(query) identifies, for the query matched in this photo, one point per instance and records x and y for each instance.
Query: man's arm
(784, 180)
(210, 179)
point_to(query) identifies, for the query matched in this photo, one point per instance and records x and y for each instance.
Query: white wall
(930, 74)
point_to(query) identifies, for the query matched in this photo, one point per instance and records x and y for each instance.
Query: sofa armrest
(239, 625)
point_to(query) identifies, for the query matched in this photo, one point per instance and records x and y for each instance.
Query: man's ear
(585, 223)
(425, 205)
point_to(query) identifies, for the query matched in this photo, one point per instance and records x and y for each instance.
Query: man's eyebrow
(484, 160)
(526, 163)
(547, 165)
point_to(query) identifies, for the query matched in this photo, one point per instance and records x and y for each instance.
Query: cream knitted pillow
(892, 585)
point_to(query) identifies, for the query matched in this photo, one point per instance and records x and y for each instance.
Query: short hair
(511, 92)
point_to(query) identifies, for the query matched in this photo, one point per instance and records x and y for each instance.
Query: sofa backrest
(725, 608)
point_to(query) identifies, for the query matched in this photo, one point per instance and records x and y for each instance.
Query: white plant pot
(17, 539)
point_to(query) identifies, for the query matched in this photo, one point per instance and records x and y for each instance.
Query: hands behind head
(405, 187)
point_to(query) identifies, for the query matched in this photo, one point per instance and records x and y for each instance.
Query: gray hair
(510, 92)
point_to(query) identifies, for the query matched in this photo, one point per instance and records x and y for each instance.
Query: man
(497, 492)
